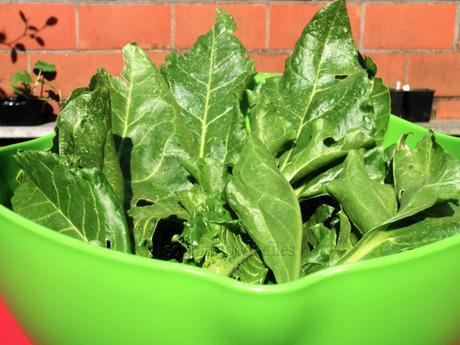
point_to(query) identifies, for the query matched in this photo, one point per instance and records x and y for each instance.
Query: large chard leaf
(213, 240)
(85, 132)
(208, 82)
(424, 176)
(374, 161)
(268, 208)
(76, 202)
(326, 96)
(149, 134)
(368, 203)
(437, 223)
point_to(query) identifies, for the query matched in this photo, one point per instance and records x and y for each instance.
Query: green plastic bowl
(63, 291)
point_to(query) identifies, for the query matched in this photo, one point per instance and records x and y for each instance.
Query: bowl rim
(56, 238)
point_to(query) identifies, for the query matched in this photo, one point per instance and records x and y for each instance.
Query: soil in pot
(24, 112)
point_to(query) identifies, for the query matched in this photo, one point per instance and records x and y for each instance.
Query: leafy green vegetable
(433, 225)
(296, 182)
(368, 203)
(208, 82)
(325, 95)
(424, 176)
(148, 133)
(268, 208)
(76, 202)
(85, 133)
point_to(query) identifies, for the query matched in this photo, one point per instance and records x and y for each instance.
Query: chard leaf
(72, 201)
(146, 219)
(84, 133)
(208, 82)
(424, 176)
(149, 136)
(213, 240)
(268, 208)
(210, 174)
(376, 167)
(437, 223)
(326, 95)
(368, 203)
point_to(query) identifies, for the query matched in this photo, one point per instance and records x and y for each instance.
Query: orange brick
(287, 22)
(193, 20)
(447, 109)
(390, 67)
(111, 26)
(59, 36)
(158, 57)
(440, 72)
(7, 69)
(75, 70)
(409, 26)
(269, 63)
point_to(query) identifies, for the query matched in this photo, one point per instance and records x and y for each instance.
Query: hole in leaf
(341, 76)
(329, 141)
(142, 202)
(191, 179)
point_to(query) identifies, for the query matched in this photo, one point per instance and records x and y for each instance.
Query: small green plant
(24, 85)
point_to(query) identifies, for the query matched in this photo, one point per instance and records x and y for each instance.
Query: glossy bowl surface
(63, 291)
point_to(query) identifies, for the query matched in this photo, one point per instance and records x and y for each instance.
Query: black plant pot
(24, 112)
(397, 102)
(418, 105)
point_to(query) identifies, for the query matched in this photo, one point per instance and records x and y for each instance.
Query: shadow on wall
(16, 45)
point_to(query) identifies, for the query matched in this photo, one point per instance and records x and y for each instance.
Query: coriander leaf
(208, 82)
(368, 203)
(268, 208)
(146, 219)
(84, 132)
(76, 202)
(213, 240)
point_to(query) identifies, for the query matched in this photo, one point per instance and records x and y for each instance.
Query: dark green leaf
(327, 97)
(84, 128)
(268, 208)
(435, 224)
(75, 202)
(208, 82)
(368, 203)
(424, 176)
(147, 130)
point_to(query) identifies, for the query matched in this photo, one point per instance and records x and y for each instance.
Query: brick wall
(413, 41)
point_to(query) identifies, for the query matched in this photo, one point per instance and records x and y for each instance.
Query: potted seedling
(32, 103)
